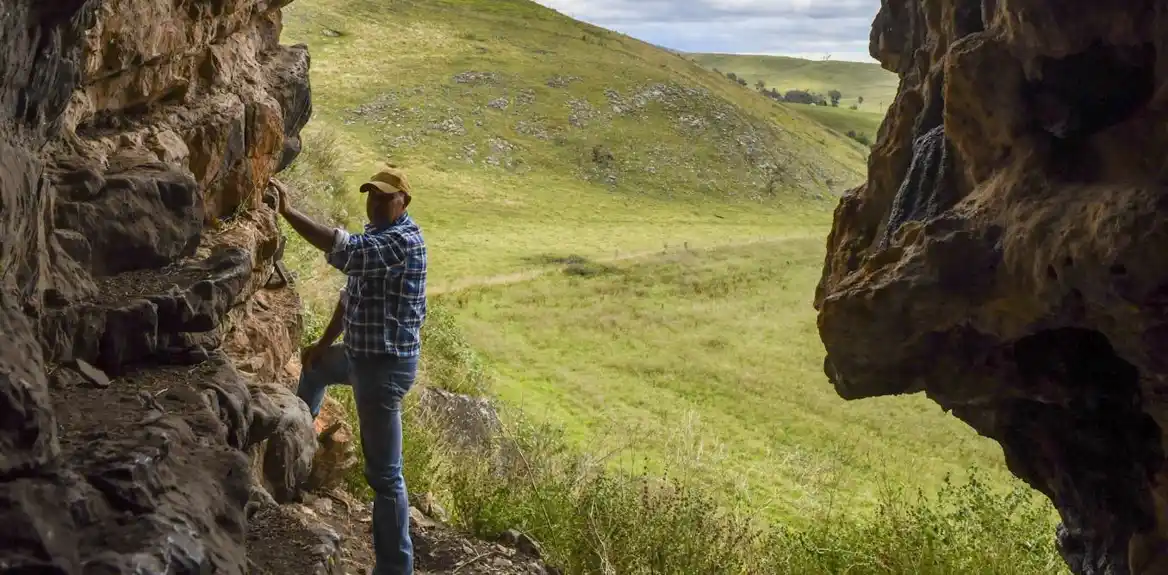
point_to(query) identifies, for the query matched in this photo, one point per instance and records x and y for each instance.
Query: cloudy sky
(788, 27)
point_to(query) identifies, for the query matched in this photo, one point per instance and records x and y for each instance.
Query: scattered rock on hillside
(525, 97)
(470, 422)
(476, 78)
(533, 128)
(500, 103)
(562, 81)
(692, 122)
(453, 126)
(93, 376)
(581, 112)
(522, 541)
(470, 153)
(501, 153)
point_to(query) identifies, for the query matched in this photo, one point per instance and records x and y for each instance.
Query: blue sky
(787, 27)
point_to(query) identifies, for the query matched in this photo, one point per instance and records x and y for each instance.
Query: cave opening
(968, 18)
(1095, 453)
(1078, 360)
(1075, 97)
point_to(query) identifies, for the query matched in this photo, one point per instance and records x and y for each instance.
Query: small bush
(448, 361)
(804, 97)
(860, 137)
(316, 180)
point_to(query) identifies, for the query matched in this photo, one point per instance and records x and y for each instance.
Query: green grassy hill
(874, 84)
(852, 79)
(624, 247)
(534, 128)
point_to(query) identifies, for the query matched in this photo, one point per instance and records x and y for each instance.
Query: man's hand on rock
(282, 203)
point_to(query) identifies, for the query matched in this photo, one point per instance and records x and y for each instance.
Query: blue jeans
(379, 383)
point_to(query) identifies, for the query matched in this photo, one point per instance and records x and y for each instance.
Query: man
(380, 311)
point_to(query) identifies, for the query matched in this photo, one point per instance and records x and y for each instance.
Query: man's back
(385, 292)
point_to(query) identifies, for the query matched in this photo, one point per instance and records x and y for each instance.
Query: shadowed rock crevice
(1078, 95)
(1085, 442)
(1006, 253)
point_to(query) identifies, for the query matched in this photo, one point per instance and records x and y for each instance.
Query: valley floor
(706, 363)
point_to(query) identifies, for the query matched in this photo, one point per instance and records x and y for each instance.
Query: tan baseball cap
(388, 181)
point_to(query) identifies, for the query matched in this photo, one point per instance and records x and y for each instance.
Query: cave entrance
(1093, 451)
(1079, 95)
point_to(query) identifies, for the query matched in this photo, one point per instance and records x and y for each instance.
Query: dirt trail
(528, 275)
(439, 549)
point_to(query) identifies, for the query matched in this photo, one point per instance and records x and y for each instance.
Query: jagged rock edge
(147, 472)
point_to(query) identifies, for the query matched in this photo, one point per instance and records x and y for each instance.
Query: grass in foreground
(710, 357)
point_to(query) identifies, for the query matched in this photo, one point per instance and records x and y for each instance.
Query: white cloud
(787, 27)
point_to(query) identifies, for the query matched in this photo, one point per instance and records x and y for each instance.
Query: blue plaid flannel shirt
(385, 294)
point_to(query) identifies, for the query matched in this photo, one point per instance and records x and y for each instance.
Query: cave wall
(1006, 255)
(141, 421)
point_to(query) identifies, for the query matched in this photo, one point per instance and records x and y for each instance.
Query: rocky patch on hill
(1006, 255)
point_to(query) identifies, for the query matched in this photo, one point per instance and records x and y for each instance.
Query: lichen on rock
(1005, 255)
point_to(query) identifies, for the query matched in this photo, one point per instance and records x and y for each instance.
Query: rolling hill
(854, 80)
(875, 84)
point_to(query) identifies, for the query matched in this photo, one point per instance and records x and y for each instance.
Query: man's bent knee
(385, 481)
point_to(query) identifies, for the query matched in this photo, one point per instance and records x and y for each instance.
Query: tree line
(832, 98)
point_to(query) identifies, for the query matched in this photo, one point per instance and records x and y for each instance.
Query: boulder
(282, 421)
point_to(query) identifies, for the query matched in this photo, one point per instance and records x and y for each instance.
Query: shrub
(804, 97)
(860, 137)
(448, 361)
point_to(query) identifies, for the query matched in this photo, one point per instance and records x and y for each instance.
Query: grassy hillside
(853, 79)
(525, 129)
(709, 359)
(629, 243)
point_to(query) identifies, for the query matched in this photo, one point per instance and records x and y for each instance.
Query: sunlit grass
(713, 353)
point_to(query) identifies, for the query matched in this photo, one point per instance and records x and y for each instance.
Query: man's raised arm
(321, 237)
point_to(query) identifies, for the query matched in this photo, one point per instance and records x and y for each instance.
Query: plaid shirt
(385, 294)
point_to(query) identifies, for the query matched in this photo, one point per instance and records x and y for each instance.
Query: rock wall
(1007, 253)
(141, 338)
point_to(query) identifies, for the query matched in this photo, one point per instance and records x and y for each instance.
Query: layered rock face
(1007, 253)
(138, 415)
